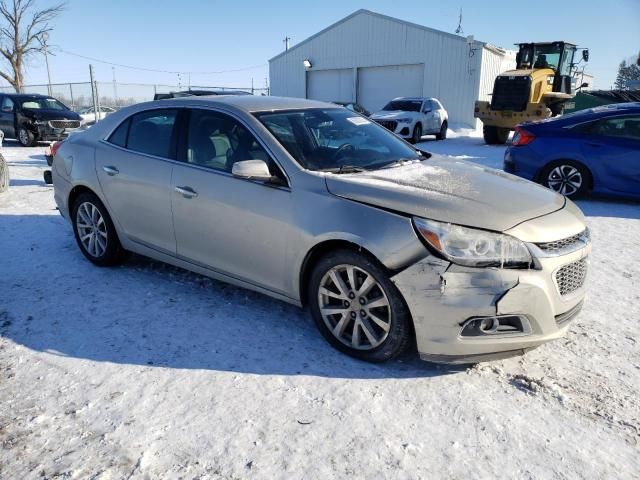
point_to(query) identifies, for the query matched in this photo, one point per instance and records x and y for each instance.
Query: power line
(174, 72)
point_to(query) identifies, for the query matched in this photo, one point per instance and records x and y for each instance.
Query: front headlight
(403, 120)
(472, 247)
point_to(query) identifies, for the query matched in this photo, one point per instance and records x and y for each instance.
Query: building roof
(364, 11)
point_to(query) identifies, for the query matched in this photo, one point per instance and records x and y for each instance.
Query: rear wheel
(443, 131)
(357, 308)
(567, 177)
(94, 231)
(417, 133)
(26, 137)
(495, 135)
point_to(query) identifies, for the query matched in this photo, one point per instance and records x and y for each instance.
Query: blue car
(595, 150)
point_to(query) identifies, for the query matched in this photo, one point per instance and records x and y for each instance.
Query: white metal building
(371, 58)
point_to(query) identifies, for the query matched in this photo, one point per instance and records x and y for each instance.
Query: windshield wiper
(397, 163)
(344, 169)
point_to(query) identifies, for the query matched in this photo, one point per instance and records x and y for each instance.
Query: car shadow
(148, 313)
(601, 207)
(15, 182)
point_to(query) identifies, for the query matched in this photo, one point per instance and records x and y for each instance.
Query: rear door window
(149, 132)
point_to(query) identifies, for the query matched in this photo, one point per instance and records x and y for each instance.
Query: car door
(134, 170)
(7, 116)
(234, 226)
(428, 116)
(614, 148)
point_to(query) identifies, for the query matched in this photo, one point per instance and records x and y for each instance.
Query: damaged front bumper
(468, 315)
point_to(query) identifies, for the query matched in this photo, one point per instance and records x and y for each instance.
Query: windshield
(404, 105)
(36, 103)
(329, 139)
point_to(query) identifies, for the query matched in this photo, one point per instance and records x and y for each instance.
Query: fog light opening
(501, 325)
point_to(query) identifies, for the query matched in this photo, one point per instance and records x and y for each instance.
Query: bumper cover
(442, 297)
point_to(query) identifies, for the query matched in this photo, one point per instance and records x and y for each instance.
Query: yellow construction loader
(536, 89)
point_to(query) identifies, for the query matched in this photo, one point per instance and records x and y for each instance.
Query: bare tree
(21, 29)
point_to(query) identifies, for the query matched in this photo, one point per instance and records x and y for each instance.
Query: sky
(220, 36)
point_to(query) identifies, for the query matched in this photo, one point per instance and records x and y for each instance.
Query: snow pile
(148, 371)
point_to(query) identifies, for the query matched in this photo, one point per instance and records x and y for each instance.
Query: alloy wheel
(354, 307)
(92, 229)
(23, 136)
(565, 179)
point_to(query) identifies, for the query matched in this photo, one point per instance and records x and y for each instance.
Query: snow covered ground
(148, 371)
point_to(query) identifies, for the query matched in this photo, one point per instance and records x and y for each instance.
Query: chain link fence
(78, 96)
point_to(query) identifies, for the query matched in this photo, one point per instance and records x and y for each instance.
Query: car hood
(44, 114)
(391, 115)
(450, 191)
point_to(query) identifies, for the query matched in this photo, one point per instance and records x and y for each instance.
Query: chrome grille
(64, 123)
(566, 244)
(389, 124)
(572, 276)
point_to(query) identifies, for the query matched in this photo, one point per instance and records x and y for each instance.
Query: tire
(4, 175)
(495, 135)
(417, 133)
(49, 159)
(443, 131)
(106, 253)
(388, 323)
(566, 177)
(26, 137)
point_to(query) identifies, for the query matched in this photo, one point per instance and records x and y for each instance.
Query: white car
(88, 115)
(413, 117)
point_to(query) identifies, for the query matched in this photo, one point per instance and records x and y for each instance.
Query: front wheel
(26, 137)
(94, 231)
(443, 131)
(566, 177)
(495, 135)
(417, 133)
(357, 308)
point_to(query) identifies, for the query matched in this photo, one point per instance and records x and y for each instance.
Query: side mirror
(585, 55)
(252, 169)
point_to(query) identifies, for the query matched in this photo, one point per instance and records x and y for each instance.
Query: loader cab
(558, 56)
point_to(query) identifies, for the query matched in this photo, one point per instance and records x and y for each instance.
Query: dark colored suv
(32, 118)
(198, 93)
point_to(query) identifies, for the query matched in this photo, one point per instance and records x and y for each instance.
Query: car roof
(587, 115)
(29, 95)
(248, 103)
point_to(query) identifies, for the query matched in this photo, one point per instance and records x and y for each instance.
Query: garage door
(378, 85)
(330, 85)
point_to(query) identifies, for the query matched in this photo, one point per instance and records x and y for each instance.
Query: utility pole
(94, 91)
(459, 30)
(45, 37)
(286, 42)
(115, 87)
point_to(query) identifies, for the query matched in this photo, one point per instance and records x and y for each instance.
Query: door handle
(111, 171)
(186, 192)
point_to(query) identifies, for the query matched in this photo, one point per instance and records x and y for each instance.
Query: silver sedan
(316, 205)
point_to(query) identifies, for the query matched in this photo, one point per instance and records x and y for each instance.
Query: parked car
(355, 107)
(32, 118)
(413, 117)
(88, 115)
(594, 150)
(197, 93)
(384, 243)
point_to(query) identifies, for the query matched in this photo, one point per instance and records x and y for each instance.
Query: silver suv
(317, 205)
(413, 117)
